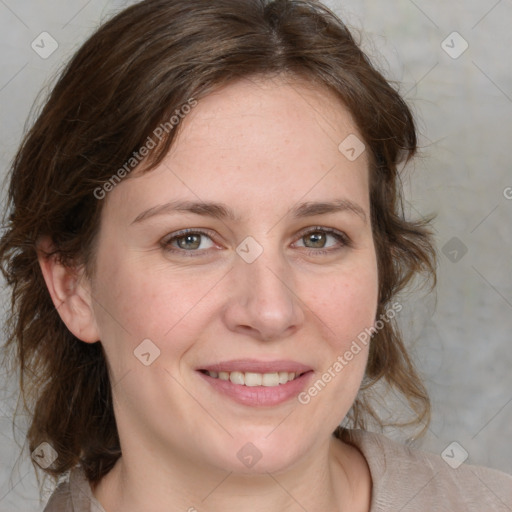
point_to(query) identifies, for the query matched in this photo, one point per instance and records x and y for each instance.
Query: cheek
(136, 301)
(346, 302)
(346, 307)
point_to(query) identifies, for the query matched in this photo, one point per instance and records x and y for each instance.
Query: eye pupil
(317, 238)
(184, 240)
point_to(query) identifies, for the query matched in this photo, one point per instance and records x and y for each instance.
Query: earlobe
(70, 293)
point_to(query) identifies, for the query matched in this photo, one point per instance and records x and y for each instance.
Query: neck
(335, 478)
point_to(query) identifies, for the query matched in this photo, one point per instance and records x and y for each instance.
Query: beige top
(404, 480)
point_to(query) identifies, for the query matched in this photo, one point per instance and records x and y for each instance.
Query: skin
(261, 147)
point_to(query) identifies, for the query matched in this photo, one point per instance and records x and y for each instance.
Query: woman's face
(271, 278)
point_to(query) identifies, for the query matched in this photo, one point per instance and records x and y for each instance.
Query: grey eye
(189, 241)
(317, 239)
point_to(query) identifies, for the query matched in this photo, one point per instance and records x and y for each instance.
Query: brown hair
(129, 77)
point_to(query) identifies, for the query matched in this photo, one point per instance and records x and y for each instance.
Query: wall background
(463, 102)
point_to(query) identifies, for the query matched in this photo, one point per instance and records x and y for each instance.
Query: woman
(205, 245)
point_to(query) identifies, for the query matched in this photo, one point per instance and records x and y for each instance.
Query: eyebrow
(221, 211)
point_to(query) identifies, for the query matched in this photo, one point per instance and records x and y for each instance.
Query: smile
(252, 379)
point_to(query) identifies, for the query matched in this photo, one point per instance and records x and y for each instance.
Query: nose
(262, 301)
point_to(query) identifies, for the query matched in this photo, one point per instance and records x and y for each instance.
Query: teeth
(255, 379)
(237, 378)
(283, 377)
(252, 379)
(271, 379)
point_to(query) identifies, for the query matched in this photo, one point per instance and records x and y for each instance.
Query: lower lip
(259, 395)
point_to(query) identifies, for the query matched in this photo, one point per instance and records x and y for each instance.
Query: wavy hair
(125, 80)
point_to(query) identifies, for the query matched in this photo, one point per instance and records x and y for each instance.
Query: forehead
(280, 112)
(255, 139)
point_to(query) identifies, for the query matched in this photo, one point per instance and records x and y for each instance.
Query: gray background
(460, 336)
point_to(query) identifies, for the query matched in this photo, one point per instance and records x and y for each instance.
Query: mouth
(257, 383)
(252, 379)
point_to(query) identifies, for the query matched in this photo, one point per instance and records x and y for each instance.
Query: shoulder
(73, 495)
(409, 480)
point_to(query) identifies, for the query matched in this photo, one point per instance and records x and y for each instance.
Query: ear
(70, 293)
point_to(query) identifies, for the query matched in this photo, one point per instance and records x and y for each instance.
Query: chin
(261, 453)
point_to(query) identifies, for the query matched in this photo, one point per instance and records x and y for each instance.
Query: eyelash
(340, 237)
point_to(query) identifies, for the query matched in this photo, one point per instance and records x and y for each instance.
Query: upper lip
(255, 366)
